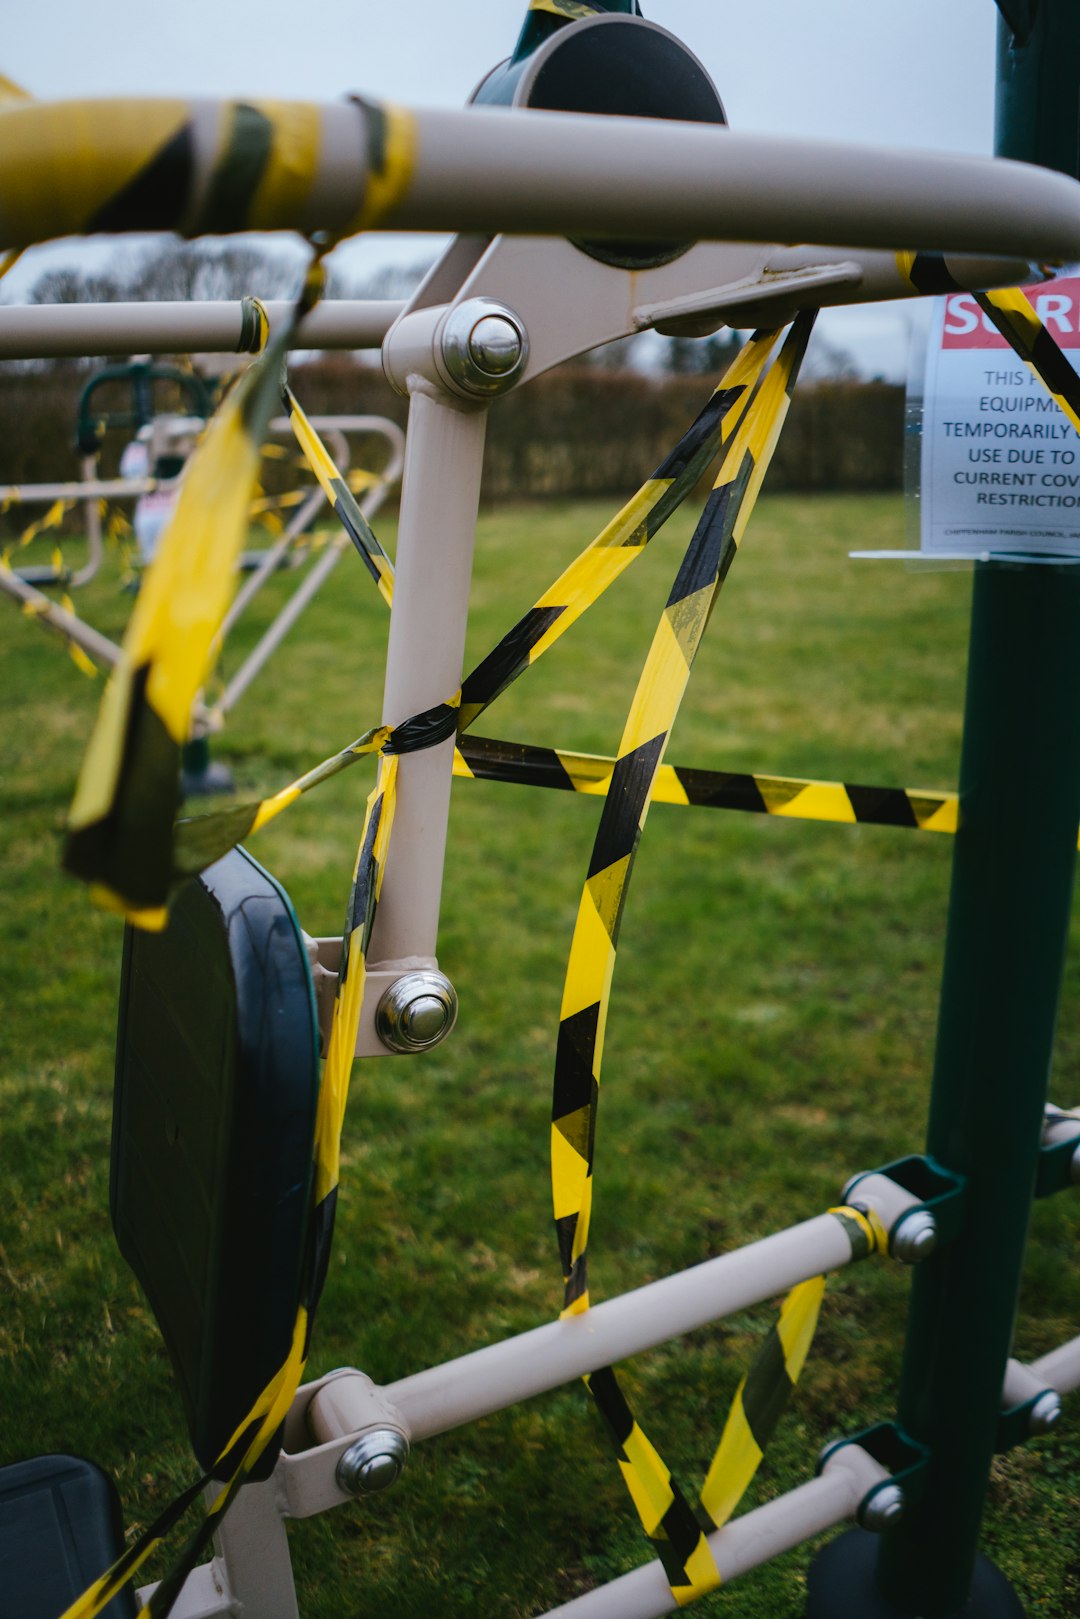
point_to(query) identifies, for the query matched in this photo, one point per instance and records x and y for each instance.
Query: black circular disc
(624, 68)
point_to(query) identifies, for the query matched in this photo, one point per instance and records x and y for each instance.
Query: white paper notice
(1000, 460)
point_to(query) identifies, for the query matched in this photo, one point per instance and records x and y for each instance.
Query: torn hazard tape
(119, 832)
(665, 1514)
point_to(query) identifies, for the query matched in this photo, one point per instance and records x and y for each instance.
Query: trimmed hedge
(578, 431)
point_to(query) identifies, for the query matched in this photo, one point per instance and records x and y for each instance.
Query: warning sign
(1000, 463)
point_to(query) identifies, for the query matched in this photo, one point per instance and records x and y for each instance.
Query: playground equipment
(91, 427)
(484, 322)
(166, 441)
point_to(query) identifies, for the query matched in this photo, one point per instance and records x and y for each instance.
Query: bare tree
(208, 269)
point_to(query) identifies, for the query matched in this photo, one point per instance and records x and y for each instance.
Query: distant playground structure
(595, 191)
(150, 474)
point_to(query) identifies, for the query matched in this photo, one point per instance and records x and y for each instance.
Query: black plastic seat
(217, 1077)
(60, 1529)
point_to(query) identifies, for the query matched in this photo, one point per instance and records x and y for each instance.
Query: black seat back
(217, 1076)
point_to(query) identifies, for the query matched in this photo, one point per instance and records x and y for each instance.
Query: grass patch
(772, 1032)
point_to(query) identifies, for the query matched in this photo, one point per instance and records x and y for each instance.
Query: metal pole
(1009, 912)
(743, 1544)
(443, 1397)
(73, 331)
(440, 497)
(50, 613)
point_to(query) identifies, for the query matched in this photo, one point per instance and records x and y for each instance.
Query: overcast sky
(916, 74)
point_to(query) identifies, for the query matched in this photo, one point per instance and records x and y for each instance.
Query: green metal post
(1009, 909)
(1008, 921)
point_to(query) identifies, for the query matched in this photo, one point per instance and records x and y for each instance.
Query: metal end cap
(827, 1452)
(882, 1508)
(1045, 1413)
(914, 1237)
(417, 1011)
(373, 1463)
(485, 347)
(850, 1185)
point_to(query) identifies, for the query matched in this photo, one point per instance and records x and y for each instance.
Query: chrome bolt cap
(1045, 1413)
(485, 347)
(914, 1238)
(495, 346)
(374, 1463)
(416, 1012)
(882, 1508)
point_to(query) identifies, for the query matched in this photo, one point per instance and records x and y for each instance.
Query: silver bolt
(1045, 1413)
(374, 1463)
(417, 1011)
(495, 345)
(914, 1237)
(485, 347)
(883, 1507)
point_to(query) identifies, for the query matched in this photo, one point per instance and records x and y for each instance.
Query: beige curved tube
(199, 166)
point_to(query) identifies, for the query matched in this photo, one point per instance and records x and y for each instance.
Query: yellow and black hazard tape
(258, 1427)
(764, 1392)
(623, 540)
(656, 701)
(40, 608)
(1012, 312)
(664, 1512)
(677, 1532)
(699, 578)
(51, 518)
(571, 10)
(131, 816)
(927, 273)
(199, 840)
(254, 331)
(119, 832)
(340, 496)
(59, 176)
(1015, 318)
(794, 797)
(11, 94)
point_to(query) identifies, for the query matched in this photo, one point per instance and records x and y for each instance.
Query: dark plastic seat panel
(60, 1529)
(217, 1080)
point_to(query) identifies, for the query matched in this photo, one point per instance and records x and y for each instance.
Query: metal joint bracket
(472, 350)
(1059, 1156)
(345, 1439)
(409, 1006)
(1029, 1407)
(919, 1203)
(905, 1462)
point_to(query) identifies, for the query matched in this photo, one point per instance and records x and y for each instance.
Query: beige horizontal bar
(444, 1397)
(72, 331)
(551, 173)
(746, 1542)
(41, 494)
(1060, 1369)
(537, 173)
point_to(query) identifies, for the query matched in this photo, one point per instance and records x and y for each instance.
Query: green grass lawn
(771, 1033)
